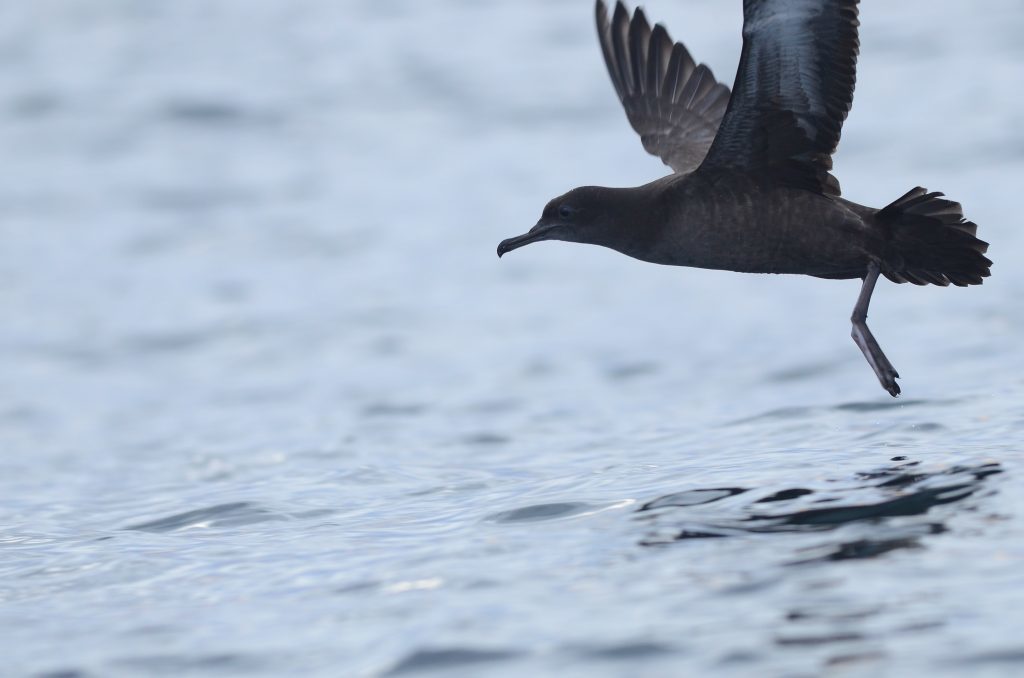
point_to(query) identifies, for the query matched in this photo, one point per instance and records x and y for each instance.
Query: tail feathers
(932, 243)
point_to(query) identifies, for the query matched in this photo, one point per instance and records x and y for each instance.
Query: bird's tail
(932, 243)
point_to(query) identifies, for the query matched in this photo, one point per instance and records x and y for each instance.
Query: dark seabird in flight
(752, 189)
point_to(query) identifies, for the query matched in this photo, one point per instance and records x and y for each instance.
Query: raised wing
(793, 90)
(673, 104)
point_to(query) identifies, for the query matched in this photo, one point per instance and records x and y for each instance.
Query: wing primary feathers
(659, 52)
(620, 37)
(604, 34)
(673, 104)
(639, 35)
(793, 90)
(684, 68)
(674, 74)
(693, 86)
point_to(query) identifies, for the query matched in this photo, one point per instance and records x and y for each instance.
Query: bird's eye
(565, 212)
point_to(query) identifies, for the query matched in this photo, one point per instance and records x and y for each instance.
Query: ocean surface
(270, 404)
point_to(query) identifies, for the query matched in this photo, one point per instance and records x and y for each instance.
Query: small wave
(627, 651)
(1013, 656)
(541, 512)
(448, 658)
(164, 664)
(210, 113)
(693, 497)
(222, 515)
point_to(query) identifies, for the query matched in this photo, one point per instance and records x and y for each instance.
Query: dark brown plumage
(753, 189)
(672, 103)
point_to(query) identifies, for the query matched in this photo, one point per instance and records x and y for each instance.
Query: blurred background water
(270, 405)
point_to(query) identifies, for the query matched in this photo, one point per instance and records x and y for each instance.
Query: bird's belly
(806, 237)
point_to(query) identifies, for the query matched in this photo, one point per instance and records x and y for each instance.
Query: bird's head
(585, 215)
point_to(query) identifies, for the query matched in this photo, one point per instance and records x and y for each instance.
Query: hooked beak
(539, 232)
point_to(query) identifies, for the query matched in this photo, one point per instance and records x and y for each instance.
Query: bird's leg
(866, 341)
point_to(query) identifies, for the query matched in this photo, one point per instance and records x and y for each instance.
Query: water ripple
(234, 514)
(449, 658)
(541, 512)
(900, 490)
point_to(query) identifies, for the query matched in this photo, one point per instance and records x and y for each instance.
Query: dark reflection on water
(693, 498)
(873, 497)
(869, 548)
(785, 495)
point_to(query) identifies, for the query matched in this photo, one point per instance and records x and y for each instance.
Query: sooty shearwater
(752, 189)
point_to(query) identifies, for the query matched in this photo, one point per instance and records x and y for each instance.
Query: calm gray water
(270, 405)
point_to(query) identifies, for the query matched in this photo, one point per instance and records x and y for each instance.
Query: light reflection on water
(271, 405)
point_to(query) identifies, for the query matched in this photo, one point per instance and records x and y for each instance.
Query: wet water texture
(270, 405)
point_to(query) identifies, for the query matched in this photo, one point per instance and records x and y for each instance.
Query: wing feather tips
(659, 54)
(613, 35)
(639, 39)
(680, 67)
(604, 36)
(620, 47)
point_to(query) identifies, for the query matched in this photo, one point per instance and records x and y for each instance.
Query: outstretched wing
(793, 90)
(673, 104)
